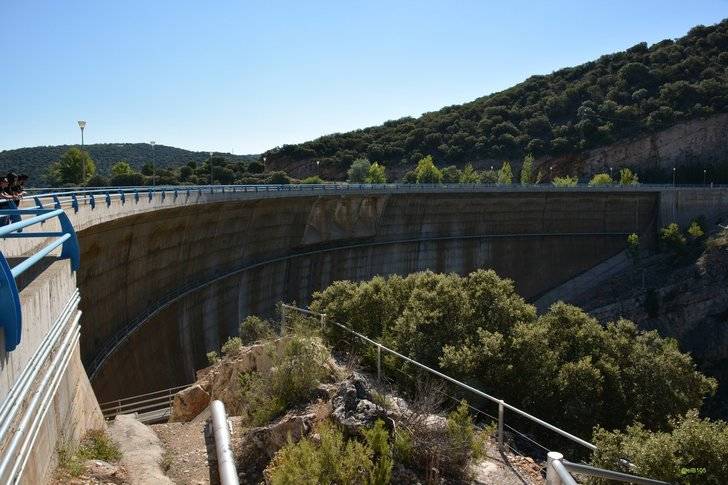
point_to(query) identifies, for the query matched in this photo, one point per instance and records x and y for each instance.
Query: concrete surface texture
(58, 406)
(286, 248)
(142, 451)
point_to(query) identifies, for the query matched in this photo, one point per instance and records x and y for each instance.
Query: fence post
(283, 320)
(552, 477)
(379, 363)
(500, 424)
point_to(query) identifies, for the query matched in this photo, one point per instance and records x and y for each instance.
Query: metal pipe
(610, 474)
(25, 426)
(500, 424)
(22, 267)
(556, 474)
(29, 222)
(221, 432)
(15, 397)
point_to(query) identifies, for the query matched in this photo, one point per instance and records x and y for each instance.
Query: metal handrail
(11, 318)
(103, 404)
(609, 474)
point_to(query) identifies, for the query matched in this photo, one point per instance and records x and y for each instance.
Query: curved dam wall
(243, 256)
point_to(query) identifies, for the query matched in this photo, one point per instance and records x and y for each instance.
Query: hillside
(35, 160)
(558, 117)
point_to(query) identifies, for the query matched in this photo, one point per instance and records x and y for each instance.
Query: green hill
(642, 90)
(34, 161)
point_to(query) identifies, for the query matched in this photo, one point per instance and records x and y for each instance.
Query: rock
(101, 469)
(141, 450)
(353, 406)
(188, 403)
(260, 444)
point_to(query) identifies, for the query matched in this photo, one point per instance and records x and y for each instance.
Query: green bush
(633, 247)
(601, 179)
(693, 451)
(627, 177)
(314, 179)
(280, 178)
(465, 443)
(254, 329)
(95, 445)
(477, 328)
(566, 181)
(505, 174)
(427, 172)
(358, 171)
(296, 372)
(695, 231)
(232, 346)
(673, 239)
(213, 358)
(376, 174)
(332, 459)
(469, 175)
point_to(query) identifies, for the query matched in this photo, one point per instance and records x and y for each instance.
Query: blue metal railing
(75, 196)
(11, 317)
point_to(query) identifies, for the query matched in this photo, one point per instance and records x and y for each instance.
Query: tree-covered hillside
(35, 161)
(641, 90)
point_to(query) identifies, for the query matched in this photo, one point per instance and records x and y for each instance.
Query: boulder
(188, 403)
(353, 408)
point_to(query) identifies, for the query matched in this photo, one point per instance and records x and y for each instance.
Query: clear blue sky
(247, 76)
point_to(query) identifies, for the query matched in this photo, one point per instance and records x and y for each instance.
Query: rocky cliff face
(688, 303)
(697, 141)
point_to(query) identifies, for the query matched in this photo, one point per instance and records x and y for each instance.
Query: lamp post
(154, 170)
(551, 173)
(318, 172)
(82, 125)
(674, 176)
(705, 176)
(211, 170)
(610, 173)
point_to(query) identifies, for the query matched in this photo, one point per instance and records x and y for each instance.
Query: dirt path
(189, 456)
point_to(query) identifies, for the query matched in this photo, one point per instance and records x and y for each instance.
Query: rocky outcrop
(189, 402)
(353, 408)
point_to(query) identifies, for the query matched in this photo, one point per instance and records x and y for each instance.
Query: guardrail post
(122, 196)
(379, 363)
(56, 202)
(136, 195)
(501, 410)
(74, 203)
(164, 195)
(92, 201)
(108, 199)
(552, 477)
(150, 195)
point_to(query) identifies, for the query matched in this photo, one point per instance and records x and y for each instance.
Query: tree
(673, 239)
(121, 167)
(376, 174)
(314, 179)
(451, 175)
(74, 167)
(527, 170)
(469, 175)
(427, 172)
(256, 167)
(505, 174)
(601, 179)
(633, 248)
(98, 181)
(148, 169)
(358, 170)
(134, 179)
(627, 177)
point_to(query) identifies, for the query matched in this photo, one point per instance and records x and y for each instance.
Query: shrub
(296, 372)
(601, 179)
(280, 178)
(314, 179)
(427, 172)
(377, 439)
(469, 175)
(331, 460)
(693, 451)
(633, 247)
(358, 170)
(95, 445)
(254, 329)
(465, 444)
(566, 181)
(672, 239)
(232, 346)
(627, 177)
(213, 358)
(376, 174)
(505, 174)
(695, 231)
(527, 170)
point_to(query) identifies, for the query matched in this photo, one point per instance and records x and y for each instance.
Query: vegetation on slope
(35, 161)
(563, 364)
(638, 91)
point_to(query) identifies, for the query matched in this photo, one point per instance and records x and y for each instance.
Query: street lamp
(551, 173)
(154, 171)
(610, 173)
(705, 176)
(318, 162)
(674, 176)
(82, 125)
(211, 170)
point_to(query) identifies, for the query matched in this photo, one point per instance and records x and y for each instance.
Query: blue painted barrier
(11, 318)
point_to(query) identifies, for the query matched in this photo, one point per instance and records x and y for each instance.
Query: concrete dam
(165, 276)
